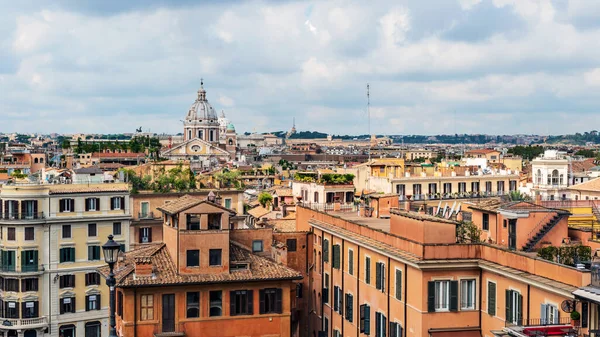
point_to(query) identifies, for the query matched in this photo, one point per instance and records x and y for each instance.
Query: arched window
(189, 134)
(316, 197)
(67, 330)
(230, 141)
(35, 161)
(92, 329)
(561, 179)
(41, 160)
(555, 177)
(539, 177)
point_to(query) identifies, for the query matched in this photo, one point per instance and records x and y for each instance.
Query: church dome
(201, 110)
(230, 127)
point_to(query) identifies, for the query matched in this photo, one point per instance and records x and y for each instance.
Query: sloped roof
(166, 273)
(590, 185)
(259, 211)
(186, 202)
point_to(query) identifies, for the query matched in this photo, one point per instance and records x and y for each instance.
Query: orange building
(205, 279)
(410, 276)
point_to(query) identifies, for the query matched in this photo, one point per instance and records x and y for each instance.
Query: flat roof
(376, 223)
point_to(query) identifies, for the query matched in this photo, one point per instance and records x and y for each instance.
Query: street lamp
(111, 252)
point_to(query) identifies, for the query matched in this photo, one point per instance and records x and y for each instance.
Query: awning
(455, 333)
(587, 295)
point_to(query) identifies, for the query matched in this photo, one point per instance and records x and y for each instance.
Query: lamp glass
(111, 250)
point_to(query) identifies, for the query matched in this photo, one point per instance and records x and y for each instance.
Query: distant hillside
(578, 138)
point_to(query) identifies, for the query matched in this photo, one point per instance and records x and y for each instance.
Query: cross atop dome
(201, 92)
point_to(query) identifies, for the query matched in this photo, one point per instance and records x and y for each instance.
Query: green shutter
(377, 275)
(453, 295)
(336, 256)
(492, 298)
(350, 262)
(398, 284)
(431, 296)
(23, 260)
(367, 320)
(508, 316)
(367, 270)
(325, 250)
(519, 309)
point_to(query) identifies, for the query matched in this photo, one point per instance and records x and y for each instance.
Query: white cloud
(468, 4)
(395, 25)
(226, 101)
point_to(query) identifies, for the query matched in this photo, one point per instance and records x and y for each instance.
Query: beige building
(51, 238)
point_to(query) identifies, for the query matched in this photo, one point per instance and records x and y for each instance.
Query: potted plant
(575, 316)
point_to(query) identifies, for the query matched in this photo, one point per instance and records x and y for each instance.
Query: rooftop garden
(326, 178)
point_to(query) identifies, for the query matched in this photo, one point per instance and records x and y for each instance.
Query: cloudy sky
(435, 66)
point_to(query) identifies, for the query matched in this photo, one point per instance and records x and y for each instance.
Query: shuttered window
(241, 302)
(380, 324)
(325, 250)
(336, 256)
(270, 300)
(350, 262)
(491, 298)
(349, 307)
(395, 329)
(514, 307)
(365, 319)
(367, 270)
(337, 300)
(398, 284)
(442, 296)
(380, 276)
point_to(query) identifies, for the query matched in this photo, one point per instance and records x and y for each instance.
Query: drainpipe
(358, 290)
(388, 295)
(134, 313)
(310, 299)
(342, 253)
(405, 298)
(528, 302)
(480, 294)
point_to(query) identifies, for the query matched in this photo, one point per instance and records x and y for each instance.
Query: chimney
(143, 266)
(538, 199)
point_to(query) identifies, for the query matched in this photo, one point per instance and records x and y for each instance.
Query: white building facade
(550, 176)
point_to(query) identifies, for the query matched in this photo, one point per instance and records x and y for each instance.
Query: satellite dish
(567, 306)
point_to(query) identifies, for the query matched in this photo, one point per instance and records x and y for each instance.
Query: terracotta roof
(165, 272)
(259, 212)
(590, 185)
(422, 217)
(118, 155)
(283, 225)
(86, 189)
(186, 202)
(582, 165)
(284, 192)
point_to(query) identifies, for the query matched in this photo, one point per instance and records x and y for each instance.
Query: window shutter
(350, 308)
(335, 298)
(492, 298)
(73, 304)
(72, 255)
(278, 301)
(382, 266)
(150, 234)
(232, 308)
(112, 204)
(90, 252)
(23, 307)
(377, 324)
(325, 250)
(35, 209)
(398, 284)
(393, 329)
(519, 309)
(23, 260)
(98, 204)
(431, 296)
(336, 256)
(35, 257)
(261, 295)
(61, 205)
(123, 203)
(361, 318)
(367, 320)
(62, 306)
(453, 295)
(72, 201)
(250, 302)
(341, 299)
(87, 303)
(543, 314)
(36, 309)
(383, 325)
(367, 270)
(377, 276)
(351, 263)
(508, 316)
(87, 205)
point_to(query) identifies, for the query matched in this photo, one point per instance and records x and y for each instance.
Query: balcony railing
(22, 216)
(446, 196)
(28, 268)
(542, 327)
(147, 215)
(8, 268)
(20, 323)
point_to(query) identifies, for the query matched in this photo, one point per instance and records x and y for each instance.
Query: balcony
(29, 268)
(145, 215)
(542, 327)
(23, 323)
(26, 216)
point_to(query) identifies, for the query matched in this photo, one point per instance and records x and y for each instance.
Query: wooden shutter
(87, 204)
(232, 307)
(325, 250)
(383, 325)
(393, 329)
(261, 298)
(453, 295)
(98, 204)
(278, 301)
(62, 305)
(508, 316)
(61, 205)
(98, 302)
(112, 204)
(72, 202)
(336, 256)
(367, 320)
(250, 302)
(335, 298)
(87, 303)
(543, 314)
(351, 262)
(122, 203)
(377, 276)
(73, 302)
(150, 234)
(368, 270)
(431, 296)
(491, 298)
(382, 266)
(350, 309)
(361, 318)
(398, 284)
(23, 307)
(519, 309)
(35, 209)
(36, 309)
(377, 324)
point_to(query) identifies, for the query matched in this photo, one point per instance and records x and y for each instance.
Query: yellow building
(51, 238)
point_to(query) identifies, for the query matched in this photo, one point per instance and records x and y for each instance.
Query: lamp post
(111, 252)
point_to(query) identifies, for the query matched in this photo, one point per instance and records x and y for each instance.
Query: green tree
(265, 199)
(586, 153)
(518, 196)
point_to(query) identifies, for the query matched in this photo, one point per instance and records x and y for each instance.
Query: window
(326, 289)
(8, 260)
(29, 284)
(380, 324)
(29, 233)
(92, 329)
(350, 262)
(549, 314)
(270, 301)
(92, 279)
(462, 187)
(291, 245)
(67, 330)
(193, 222)
(337, 333)
(485, 222)
(193, 258)
(92, 302)
(193, 304)
(11, 310)
(467, 294)
(316, 197)
(228, 203)
(365, 319)
(120, 303)
(145, 234)
(349, 307)
(491, 309)
(395, 329)
(92, 204)
(325, 250)
(67, 254)
(367, 270)
(216, 303)
(336, 256)
(257, 246)
(66, 231)
(30, 309)
(214, 221)
(442, 296)
(514, 307)
(66, 205)
(337, 299)
(67, 305)
(214, 258)
(92, 230)
(147, 307)
(116, 228)
(399, 284)
(11, 234)
(488, 186)
(117, 203)
(380, 276)
(241, 302)
(145, 209)
(11, 284)
(93, 253)
(67, 281)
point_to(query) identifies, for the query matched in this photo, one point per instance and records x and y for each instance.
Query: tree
(228, 179)
(265, 199)
(586, 153)
(66, 144)
(467, 232)
(518, 196)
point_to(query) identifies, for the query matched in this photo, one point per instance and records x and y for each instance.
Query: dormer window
(214, 221)
(193, 222)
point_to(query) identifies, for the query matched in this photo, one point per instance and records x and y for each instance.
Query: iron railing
(147, 215)
(22, 216)
(528, 322)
